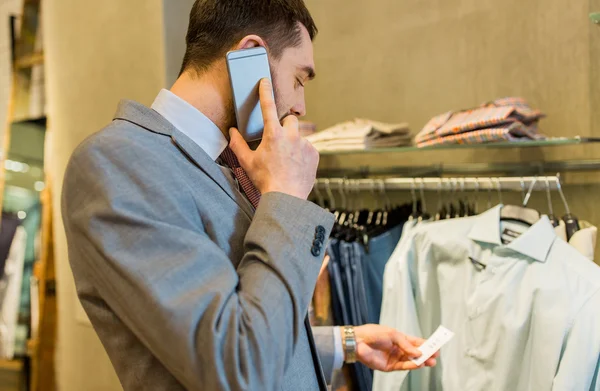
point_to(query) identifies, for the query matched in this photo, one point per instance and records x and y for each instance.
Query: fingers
(267, 104)
(240, 148)
(406, 345)
(431, 362)
(415, 341)
(404, 366)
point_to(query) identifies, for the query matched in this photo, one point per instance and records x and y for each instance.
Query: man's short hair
(217, 25)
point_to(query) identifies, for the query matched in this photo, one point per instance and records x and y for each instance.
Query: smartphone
(246, 68)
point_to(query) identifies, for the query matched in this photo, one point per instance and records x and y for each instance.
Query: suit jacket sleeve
(132, 230)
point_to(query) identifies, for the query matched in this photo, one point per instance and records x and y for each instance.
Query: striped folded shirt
(498, 114)
(511, 132)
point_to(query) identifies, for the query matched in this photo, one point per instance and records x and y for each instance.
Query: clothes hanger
(343, 212)
(489, 203)
(415, 213)
(424, 214)
(465, 207)
(441, 213)
(456, 201)
(476, 201)
(571, 222)
(319, 197)
(551, 216)
(521, 214)
(379, 216)
(499, 189)
(329, 194)
(376, 198)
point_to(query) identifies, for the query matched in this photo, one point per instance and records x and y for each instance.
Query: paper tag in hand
(441, 337)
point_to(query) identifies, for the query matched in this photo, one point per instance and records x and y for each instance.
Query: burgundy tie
(247, 186)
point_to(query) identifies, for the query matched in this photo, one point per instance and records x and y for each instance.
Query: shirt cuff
(338, 351)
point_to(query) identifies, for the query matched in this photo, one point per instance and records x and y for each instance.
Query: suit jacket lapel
(212, 169)
(150, 120)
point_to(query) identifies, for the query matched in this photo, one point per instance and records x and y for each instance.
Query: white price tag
(441, 337)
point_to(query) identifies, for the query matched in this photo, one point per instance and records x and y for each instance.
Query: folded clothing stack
(506, 119)
(361, 134)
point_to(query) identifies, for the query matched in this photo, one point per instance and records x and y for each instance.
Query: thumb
(240, 147)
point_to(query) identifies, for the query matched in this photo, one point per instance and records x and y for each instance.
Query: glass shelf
(550, 142)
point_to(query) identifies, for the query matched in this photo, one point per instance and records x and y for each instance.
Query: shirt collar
(191, 122)
(535, 243)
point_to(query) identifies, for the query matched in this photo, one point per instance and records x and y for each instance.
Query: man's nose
(298, 111)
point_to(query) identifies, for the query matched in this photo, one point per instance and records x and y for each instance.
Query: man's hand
(386, 349)
(284, 161)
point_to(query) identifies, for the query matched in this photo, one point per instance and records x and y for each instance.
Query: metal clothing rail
(434, 170)
(438, 184)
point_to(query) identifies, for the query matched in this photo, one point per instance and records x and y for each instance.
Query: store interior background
(388, 60)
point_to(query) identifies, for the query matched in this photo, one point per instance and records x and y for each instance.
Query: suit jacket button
(320, 236)
(315, 251)
(320, 229)
(317, 244)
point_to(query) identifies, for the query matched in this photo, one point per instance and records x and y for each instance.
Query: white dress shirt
(527, 318)
(200, 129)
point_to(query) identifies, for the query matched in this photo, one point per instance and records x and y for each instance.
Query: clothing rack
(436, 170)
(438, 184)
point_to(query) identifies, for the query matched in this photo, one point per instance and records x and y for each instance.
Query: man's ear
(249, 42)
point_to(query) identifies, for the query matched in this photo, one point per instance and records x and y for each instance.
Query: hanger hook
(361, 201)
(372, 187)
(489, 205)
(422, 192)
(413, 195)
(499, 189)
(387, 201)
(549, 197)
(329, 193)
(530, 191)
(318, 194)
(454, 186)
(349, 195)
(439, 191)
(477, 186)
(522, 189)
(562, 195)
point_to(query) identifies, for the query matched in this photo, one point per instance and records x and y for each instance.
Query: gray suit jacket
(186, 285)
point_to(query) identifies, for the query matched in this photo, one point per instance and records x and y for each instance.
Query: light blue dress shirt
(528, 320)
(200, 129)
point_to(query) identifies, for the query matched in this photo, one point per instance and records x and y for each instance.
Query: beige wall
(96, 55)
(410, 60)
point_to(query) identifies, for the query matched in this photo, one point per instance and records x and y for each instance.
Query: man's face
(290, 74)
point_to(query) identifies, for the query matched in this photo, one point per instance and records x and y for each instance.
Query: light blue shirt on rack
(526, 314)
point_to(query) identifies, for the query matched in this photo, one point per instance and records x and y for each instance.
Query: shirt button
(475, 313)
(471, 352)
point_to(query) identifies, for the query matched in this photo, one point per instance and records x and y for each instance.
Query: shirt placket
(477, 307)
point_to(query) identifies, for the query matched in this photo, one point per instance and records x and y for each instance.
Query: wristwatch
(349, 342)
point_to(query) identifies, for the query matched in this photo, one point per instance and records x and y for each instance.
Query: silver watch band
(349, 342)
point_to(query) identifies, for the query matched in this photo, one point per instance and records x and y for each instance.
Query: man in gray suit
(187, 283)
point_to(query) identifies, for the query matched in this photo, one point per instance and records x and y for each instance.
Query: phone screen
(246, 68)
